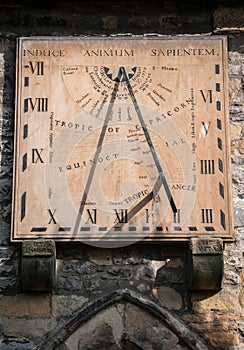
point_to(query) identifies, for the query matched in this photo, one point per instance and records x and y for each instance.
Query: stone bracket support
(38, 265)
(206, 266)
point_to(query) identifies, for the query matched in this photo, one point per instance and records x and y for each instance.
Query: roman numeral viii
(37, 104)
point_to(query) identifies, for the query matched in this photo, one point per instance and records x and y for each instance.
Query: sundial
(121, 139)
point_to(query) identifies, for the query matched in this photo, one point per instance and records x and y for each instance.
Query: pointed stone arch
(123, 320)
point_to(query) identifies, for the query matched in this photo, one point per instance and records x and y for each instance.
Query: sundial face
(119, 140)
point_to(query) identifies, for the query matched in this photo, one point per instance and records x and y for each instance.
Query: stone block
(241, 146)
(35, 328)
(110, 22)
(222, 301)
(234, 87)
(235, 63)
(101, 332)
(241, 297)
(227, 17)
(211, 317)
(206, 264)
(232, 278)
(223, 340)
(238, 217)
(147, 332)
(169, 298)
(7, 283)
(25, 305)
(65, 305)
(100, 257)
(235, 131)
(38, 265)
(206, 246)
(18, 343)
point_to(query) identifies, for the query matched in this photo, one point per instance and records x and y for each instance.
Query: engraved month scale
(121, 139)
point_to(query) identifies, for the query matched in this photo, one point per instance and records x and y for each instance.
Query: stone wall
(157, 274)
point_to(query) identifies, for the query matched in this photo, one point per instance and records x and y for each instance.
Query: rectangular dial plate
(121, 139)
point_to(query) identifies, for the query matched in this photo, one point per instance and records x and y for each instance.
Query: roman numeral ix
(36, 155)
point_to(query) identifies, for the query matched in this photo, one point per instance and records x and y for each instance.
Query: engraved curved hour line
(149, 141)
(98, 150)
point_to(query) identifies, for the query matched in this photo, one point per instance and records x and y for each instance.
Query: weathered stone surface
(206, 246)
(35, 329)
(107, 327)
(226, 17)
(235, 131)
(207, 319)
(239, 217)
(169, 273)
(139, 21)
(103, 257)
(241, 297)
(241, 147)
(43, 247)
(235, 259)
(19, 343)
(7, 283)
(65, 305)
(110, 22)
(102, 311)
(235, 86)
(38, 267)
(4, 237)
(24, 305)
(206, 272)
(8, 263)
(235, 64)
(169, 298)
(147, 332)
(98, 340)
(108, 330)
(225, 300)
(232, 278)
(5, 189)
(206, 263)
(223, 340)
